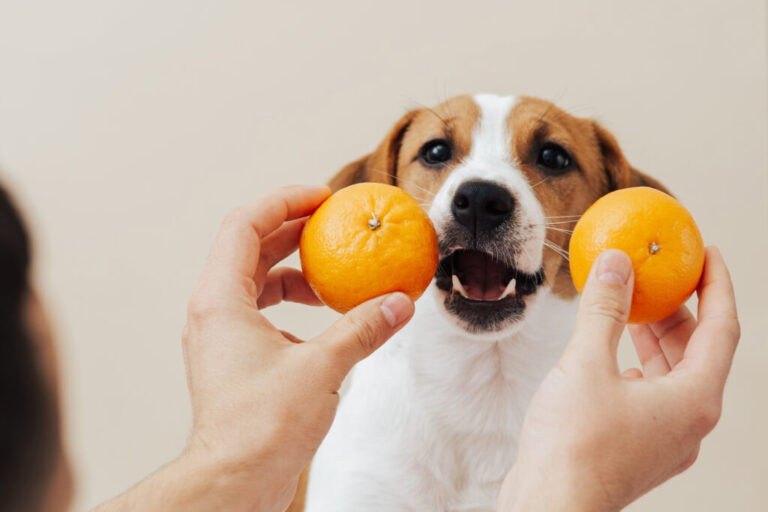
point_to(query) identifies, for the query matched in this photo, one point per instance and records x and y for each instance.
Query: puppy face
(503, 180)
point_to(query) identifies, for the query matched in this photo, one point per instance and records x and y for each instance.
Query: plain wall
(128, 129)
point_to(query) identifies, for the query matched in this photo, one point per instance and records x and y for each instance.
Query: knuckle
(201, 308)
(705, 416)
(364, 333)
(691, 459)
(609, 306)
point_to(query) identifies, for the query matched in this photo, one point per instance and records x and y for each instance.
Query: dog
(430, 421)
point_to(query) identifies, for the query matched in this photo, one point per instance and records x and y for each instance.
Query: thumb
(604, 306)
(362, 330)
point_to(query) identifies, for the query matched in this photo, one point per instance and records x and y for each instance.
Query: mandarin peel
(367, 240)
(660, 237)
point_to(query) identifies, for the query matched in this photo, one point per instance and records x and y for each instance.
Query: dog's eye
(554, 158)
(436, 152)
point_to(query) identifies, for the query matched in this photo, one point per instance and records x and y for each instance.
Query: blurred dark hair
(28, 417)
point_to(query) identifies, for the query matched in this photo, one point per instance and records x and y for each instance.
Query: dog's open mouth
(478, 276)
(483, 290)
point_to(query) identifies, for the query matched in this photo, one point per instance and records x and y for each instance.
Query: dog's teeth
(457, 286)
(510, 289)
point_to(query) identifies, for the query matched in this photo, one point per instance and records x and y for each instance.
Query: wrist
(242, 482)
(205, 481)
(200, 482)
(552, 489)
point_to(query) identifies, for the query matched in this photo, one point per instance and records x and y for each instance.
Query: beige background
(128, 129)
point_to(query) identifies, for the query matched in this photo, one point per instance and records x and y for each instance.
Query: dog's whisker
(569, 231)
(539, 182)
(425, 206)
(554, 246)
(565, 250)
(560, 222)
(562, 255)
(562, 217)
(559, 250)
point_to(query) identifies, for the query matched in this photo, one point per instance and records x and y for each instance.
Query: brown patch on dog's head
(598, 167)
(396, 159)
(379, 166)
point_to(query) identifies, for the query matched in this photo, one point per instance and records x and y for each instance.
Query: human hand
(595, 439)
(262, 400)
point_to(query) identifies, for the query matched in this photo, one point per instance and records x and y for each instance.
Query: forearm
(195, 484)
(546, 490)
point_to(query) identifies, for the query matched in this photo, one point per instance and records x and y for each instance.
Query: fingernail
(614, 267)
(397, 308)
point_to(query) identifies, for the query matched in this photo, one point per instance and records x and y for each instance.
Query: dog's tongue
(482, 276)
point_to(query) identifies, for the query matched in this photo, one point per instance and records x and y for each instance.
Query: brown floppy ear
(379, 166)
(618, 172)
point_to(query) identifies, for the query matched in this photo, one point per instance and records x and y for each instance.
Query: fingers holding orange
(281, 243)
(660, 237)
(286, 284)
(674, 332)
(712, 346)
(235, 254)
(649, 351)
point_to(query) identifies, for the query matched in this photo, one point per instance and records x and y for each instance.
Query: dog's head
(504, 180)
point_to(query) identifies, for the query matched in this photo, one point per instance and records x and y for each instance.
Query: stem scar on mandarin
(374, 222)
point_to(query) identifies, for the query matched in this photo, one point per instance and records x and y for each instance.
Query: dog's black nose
(481, 206)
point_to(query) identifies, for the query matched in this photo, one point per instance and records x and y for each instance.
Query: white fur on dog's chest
(431, 420)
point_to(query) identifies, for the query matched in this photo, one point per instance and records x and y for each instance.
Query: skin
(61, 484)
(596, 439)
(262, 400)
